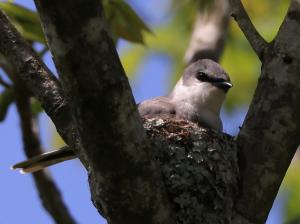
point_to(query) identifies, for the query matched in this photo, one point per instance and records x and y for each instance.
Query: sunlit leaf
(26, 21)
(124, 22)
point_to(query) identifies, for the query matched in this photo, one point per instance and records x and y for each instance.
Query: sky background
(20, 201)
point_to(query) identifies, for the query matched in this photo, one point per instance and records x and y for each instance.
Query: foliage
(124, 21)
(25, 20)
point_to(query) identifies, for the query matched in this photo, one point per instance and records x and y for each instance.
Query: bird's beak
(223, 85)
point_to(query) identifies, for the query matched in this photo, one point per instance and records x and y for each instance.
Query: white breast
(200, 101)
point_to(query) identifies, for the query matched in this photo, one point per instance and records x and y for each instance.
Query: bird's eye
(202, 76)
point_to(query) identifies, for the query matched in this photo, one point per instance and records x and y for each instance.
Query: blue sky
(20, 201)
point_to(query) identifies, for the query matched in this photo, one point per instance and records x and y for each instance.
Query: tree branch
(209, 33)
(37, 77)
(270, 134)
(125, 185)
(48, 191)
(256, 41)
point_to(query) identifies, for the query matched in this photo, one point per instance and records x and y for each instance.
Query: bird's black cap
(206, 70)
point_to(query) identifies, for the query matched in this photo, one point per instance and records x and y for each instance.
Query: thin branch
(256, 41)
(48, 191)
(37, 77)
(209, 33)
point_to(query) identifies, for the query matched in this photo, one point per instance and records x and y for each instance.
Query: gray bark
(270, 134)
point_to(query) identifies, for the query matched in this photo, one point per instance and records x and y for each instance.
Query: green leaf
(124, 22)
(6, 98)
(26, 21)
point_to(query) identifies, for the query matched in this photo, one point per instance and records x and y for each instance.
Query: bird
(197, 97)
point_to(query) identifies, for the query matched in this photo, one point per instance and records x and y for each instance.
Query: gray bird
(197, 97)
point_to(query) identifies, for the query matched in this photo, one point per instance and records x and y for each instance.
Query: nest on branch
(199, 168)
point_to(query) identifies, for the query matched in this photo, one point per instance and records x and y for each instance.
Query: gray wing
(157, 106)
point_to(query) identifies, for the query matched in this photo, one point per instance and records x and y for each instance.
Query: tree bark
(110, 131)
(270, 133)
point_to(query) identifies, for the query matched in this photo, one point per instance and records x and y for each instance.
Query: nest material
(199, 167)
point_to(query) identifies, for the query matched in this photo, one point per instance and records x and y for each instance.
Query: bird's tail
(39, 162)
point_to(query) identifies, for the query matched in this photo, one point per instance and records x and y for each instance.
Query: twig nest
(199, 168)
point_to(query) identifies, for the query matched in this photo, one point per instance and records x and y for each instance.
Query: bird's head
(206, 72)
(204, 84)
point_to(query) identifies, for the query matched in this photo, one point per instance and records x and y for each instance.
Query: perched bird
(197, 97)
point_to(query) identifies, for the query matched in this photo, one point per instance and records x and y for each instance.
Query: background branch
(209, 33)
(256, 41)
(48, 191)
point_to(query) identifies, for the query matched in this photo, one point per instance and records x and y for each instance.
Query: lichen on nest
(199, 168)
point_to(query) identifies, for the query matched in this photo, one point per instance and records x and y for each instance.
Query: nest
(199, 168)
